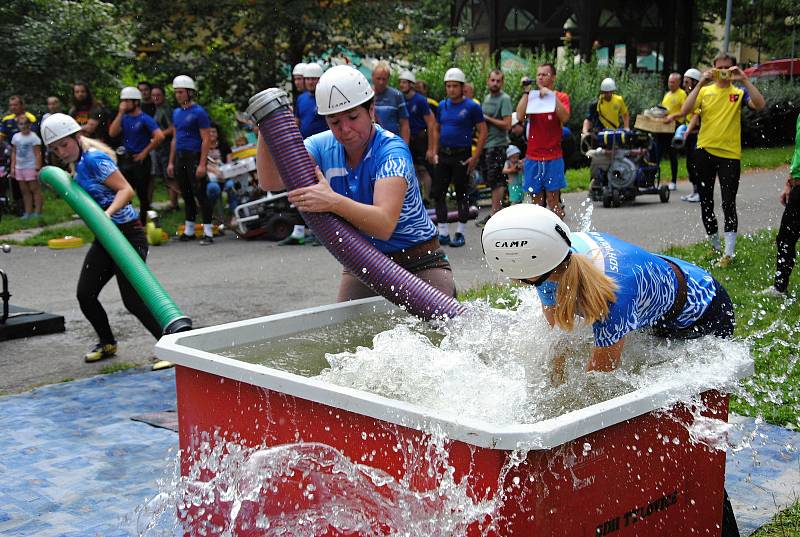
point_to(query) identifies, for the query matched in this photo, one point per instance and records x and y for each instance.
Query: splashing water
(306, 490)
(498, 366)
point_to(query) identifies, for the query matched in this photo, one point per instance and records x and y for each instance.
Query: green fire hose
(168, 315)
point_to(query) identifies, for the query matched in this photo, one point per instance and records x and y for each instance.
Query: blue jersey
(390, 107)
(91, 173)
(387, 156)
(418, 108)
(188, 122)
(457, 120)
(137, 131)
(311, 122)
(8, 125)
(647, 287)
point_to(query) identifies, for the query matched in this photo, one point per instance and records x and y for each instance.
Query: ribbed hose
(270, 109)
(124, 255)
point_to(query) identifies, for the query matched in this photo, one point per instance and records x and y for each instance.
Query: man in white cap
(606, 112)
(140, 135)
(298, 82)
(187, 157)
(422, 126)
(309, 121)
(690, 79)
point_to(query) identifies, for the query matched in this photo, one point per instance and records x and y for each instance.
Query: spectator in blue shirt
(309, 121)
(422, 126)
(140, 135)
(390, 105)
(457, 117)
(187, 157)
(366, 177)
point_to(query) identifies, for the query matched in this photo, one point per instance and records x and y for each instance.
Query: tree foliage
(49, 44)
(237, 47)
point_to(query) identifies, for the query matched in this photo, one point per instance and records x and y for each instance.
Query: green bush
(580, 80)
(775, 125)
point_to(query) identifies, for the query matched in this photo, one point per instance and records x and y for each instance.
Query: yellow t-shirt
(720, 112)
(609, 112)
(673, 100)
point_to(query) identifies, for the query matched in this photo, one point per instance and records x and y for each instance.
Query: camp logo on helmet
(510, 244)
(340, 99)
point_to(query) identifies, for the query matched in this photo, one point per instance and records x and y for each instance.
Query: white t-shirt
(24, 144)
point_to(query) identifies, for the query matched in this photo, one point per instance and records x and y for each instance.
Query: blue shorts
(544, 176)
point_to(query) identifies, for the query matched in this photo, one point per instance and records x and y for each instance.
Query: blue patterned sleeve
(100, 167)
(396, 162)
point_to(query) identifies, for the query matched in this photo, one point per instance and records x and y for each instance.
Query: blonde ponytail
(583, 289)
(90, 143)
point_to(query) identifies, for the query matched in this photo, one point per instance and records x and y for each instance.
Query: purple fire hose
(270, 109)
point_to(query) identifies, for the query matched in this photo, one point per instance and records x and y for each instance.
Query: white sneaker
(672, 186)
(772, 292)
(715, 243)
(694, 197)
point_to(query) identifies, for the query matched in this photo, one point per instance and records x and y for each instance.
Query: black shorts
(419, 148)
(492, 162)
(718, 320)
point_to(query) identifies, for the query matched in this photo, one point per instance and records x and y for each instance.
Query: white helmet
(299, 69)
(312, 70)
(183, 81)
(454, 74)
(608, 84)
(341, 88)
(525, 241)
(130, 92)
(58, 126)
(408, 75)
(693, 74)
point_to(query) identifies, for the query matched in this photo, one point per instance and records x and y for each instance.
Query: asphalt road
(236, 279)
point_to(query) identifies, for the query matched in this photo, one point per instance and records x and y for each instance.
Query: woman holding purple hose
(366, 176)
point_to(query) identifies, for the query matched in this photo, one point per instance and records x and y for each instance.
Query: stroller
(259, 215)
(622, 167)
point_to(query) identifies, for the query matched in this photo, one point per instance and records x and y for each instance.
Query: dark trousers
(139, 175)
(664, 145)
(709, 167)
(691, 166)
(788, 234)
(451, 169)
(191, 186)
(98, 269)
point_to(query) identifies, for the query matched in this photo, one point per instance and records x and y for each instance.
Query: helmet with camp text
(525, 241)
(341, 88)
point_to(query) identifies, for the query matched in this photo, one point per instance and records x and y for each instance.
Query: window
(519, 20)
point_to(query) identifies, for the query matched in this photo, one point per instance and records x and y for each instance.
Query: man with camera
(544, 162)
(719, 143)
